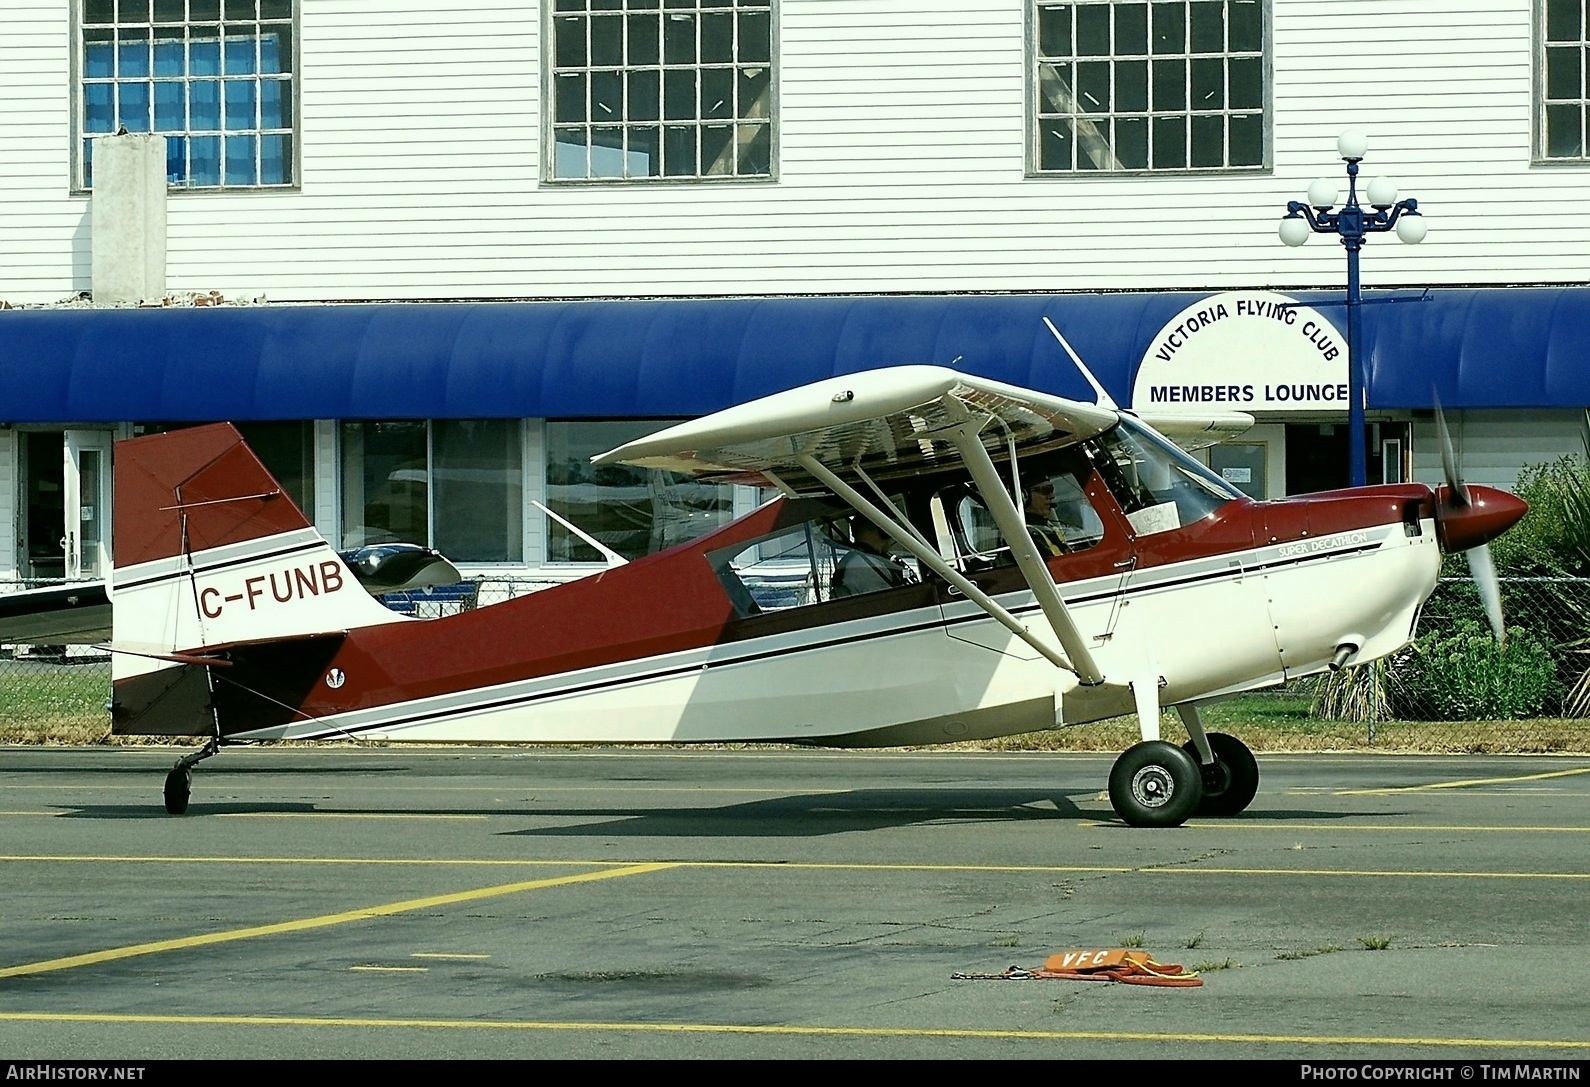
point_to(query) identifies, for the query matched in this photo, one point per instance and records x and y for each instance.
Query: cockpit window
(1158, 485)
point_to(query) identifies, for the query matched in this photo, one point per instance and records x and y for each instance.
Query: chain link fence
(1453, 689)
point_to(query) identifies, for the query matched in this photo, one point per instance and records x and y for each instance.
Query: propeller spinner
(1467, 519)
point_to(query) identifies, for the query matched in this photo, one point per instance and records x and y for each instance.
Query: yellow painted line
(446, 955)
(1172, 867)
(323, 921)
(1239, 824)
(1463, 784)
(796, 1031)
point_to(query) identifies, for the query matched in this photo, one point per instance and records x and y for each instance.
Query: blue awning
(1478, 348)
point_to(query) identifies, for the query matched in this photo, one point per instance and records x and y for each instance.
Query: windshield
(1157, 484)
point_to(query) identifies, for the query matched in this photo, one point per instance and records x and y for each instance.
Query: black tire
(178, 789)
(1230, 785)
(1155, 784)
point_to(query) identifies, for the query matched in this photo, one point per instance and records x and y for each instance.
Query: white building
(884, 162)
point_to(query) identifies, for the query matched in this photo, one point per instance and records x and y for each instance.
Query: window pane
(204, 10)
(240, 168)
(756, 37)
(1093, 30)
(132, 11)
(607, 151)
(1246, 27)
(479, 490)
(204, 52)
(569, 155)
(1247, 140)
(645, 151)
(1563, 20)
(239, 56)
(643, 39)
(99, 108)
(607, 96)
(607, 39)
(171, 113)
(276, 103)
(170, 55)
(1131, 29)
(1170, 143)
(204, 105)
(717, 150)
(99, 58)
(384, 473)
(132, 54)
(276, 51)
(756, 148)
(240, 101)
(679, 95)
(1055, 141)
(1169, 28)
(756, 93)
(1208, 26)
(570, 35)
(631, 510)
(133, 106)
(1564, 131)
(99, 11)
(1131, 85)
(717, 92)
(1209, 83)
(569, 90)
(204, 160)
(645, 96)
(679, 39)
(717, 38)
(1170, 85)
(276, 160)
(1055, 83)
(1054, 31)
(176, 160)
(1208, 141)
(1246, 85)
(1131, 142)
(679, 151)
(1563, 78)
(1093, 87)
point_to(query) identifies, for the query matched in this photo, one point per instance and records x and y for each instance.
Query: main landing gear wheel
(1155, 784)
(1230, 784)
(178, 788)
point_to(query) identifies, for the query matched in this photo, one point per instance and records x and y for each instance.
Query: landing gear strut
(179, 782)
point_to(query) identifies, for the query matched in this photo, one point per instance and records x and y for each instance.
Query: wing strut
(1014, 529)
(931, 558)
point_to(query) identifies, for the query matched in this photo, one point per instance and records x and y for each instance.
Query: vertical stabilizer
(210, 551)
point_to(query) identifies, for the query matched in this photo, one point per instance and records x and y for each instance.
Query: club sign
(1255, 351)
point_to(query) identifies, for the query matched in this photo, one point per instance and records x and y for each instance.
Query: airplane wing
(892, 422)
(879, 424)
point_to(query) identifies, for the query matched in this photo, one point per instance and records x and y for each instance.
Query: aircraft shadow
(813, 815)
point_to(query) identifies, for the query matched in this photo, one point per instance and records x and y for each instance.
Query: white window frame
(1094, 143)
(1544, 55)
(750, 117)
(195, 14)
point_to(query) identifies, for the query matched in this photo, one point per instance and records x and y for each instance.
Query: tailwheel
(1155, 784)
(1230, 783)
(178, 788)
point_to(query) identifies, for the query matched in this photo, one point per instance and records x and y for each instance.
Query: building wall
(1492, 447)
(900, 166)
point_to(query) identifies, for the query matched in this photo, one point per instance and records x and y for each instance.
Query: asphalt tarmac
(470, 903)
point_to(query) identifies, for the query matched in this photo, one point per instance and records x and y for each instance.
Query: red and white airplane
(234, 620)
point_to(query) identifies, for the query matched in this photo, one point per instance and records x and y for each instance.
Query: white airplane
(897, 590)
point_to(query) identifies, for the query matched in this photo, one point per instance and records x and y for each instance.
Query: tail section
(211, 552)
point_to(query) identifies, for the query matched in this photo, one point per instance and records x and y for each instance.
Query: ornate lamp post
(1352, 224)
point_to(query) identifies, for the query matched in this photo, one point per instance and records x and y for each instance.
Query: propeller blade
(1454, 481)
(1484, 571)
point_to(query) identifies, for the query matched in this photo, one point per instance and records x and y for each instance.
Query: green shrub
(1458, 673)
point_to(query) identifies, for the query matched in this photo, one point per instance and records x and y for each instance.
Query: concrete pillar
(128, 212)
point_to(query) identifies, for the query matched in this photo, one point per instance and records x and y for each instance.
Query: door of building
(86, 493)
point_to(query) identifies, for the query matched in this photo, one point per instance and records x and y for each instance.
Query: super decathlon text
(284, 587)
(74, 1071)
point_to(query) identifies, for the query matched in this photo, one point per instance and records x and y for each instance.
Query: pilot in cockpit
(867, 566)
(1042, 523)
